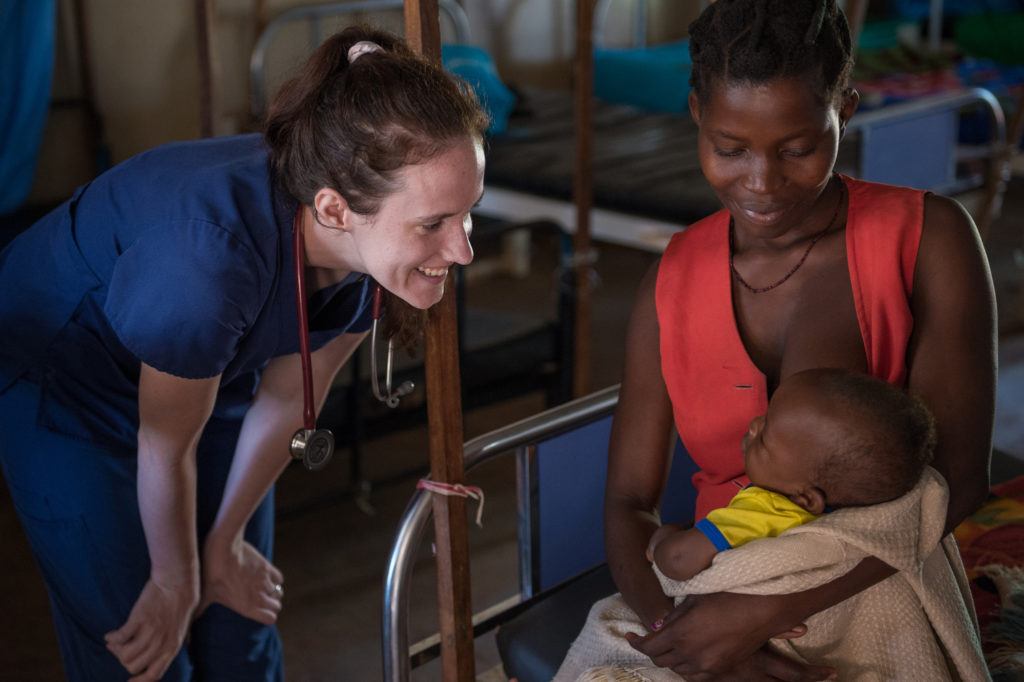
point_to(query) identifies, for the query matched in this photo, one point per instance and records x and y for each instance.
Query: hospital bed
(560, 458)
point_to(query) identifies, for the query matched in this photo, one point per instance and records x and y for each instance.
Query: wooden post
(444, 414)
(451, 534)
(204, 32)
(262, 15)
(100, 149)
(583, 192)
(423, 28)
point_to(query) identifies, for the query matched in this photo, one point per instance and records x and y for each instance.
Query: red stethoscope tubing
(378, 303)
(391, 398)
(299, 253)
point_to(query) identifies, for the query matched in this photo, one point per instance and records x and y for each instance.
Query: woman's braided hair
(754, 41)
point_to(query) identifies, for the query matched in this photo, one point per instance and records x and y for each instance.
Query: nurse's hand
(153, 634)
(241, 578)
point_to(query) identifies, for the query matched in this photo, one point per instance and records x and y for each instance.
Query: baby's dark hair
(755, 41)
(885, 444)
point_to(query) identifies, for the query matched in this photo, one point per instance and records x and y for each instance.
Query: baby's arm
(680, 554)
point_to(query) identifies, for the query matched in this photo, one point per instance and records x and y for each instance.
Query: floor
(332, 549)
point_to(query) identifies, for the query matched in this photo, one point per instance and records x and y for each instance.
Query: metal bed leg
(361, 487)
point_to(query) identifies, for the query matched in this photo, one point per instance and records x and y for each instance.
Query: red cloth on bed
(714, 386)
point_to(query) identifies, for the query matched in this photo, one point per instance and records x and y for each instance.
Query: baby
(830, 439)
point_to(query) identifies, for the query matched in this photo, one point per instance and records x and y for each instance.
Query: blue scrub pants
(79, 508)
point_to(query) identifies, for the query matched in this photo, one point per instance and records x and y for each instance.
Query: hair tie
(361, 48)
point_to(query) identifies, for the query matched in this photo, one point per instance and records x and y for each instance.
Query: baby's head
(839, 439)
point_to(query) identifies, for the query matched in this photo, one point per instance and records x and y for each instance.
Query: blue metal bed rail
(929, 127)
(517, 438)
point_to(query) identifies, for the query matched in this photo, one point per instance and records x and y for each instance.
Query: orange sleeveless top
(714, 386)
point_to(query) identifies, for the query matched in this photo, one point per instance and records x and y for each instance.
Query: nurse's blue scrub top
(181, 258)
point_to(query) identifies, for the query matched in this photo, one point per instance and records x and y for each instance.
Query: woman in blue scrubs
(150, 380)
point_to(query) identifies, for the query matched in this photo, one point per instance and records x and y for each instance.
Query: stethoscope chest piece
(313, 446)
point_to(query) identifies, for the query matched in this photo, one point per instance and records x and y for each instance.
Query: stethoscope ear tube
(387, 396)
(312, 445)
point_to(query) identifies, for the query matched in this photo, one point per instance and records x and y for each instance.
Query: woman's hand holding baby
(705, 636)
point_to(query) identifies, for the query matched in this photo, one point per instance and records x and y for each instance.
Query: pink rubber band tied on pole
(456, 490)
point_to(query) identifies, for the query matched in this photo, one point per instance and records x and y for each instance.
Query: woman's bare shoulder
(951, 253)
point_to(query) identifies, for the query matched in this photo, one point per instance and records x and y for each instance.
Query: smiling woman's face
(423, 227)
(768, 151)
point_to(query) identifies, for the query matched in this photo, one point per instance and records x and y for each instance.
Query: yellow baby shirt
(753, 513)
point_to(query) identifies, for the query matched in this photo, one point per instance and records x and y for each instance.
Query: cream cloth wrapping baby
(918, 624)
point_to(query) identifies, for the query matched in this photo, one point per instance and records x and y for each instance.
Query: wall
(145, 68)
(145, 78)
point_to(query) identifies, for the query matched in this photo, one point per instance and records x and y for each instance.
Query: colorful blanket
(992, 545)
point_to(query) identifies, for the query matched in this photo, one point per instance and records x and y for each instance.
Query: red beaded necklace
(814, 240)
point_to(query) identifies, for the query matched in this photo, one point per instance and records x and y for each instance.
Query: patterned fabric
(993, 536)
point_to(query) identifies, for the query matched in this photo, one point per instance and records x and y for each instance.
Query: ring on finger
(278, 590)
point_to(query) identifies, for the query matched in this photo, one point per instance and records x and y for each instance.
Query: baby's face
(782, 448)
(771, 454)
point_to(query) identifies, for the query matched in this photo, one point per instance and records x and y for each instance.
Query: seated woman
(801, 269)
(838, 470)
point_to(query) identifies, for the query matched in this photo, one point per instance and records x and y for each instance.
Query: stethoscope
(387, 396)
(312, 445)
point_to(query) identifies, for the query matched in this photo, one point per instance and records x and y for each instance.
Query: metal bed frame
(902, 119)
(517, 438)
